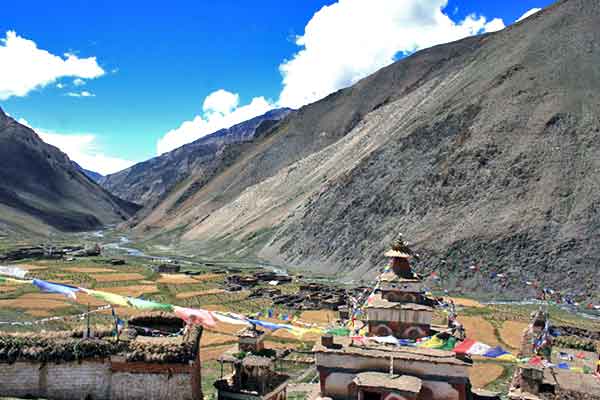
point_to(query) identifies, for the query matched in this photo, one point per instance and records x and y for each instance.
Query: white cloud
(25, 67)
(83, 93)
(82, 148)
(60, 85)
(529, 14)
(78, 82)
(495, 25)
(221, 101)
(221, 109)
(350, 39)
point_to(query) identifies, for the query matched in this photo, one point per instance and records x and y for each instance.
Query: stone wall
(569, 395)
(100, 380)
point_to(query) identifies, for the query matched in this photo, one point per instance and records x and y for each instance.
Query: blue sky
(166, 73)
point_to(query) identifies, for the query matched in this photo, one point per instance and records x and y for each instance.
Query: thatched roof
(66, 346)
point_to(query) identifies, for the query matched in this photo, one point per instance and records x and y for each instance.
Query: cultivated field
(494, 325)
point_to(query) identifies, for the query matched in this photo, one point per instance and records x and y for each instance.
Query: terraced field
(495, 325)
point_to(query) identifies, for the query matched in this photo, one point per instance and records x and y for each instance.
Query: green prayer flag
(147, 305)
(339, 332)
(449, 344)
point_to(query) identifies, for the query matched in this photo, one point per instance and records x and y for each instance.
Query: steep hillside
(95, 176)
(482, 151)
(148, 181)
(41, 189)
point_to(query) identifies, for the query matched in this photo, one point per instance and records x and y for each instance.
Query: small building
(65, 366)
(168, 268)
(440, 373)
(241, 280)
(253, 377)
(251, 340)
(553, 376)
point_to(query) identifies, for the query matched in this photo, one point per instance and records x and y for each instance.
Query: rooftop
(402, 353)
(396, 253)
(250, 333)
(257, 361)
(403, 383)
(379, 302)
(572, 381)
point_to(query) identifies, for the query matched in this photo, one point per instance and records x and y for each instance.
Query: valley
(201, 283)
(429, 230)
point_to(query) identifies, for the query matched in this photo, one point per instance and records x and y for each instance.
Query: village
(270, 335)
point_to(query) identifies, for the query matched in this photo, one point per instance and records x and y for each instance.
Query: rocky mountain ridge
(149, 181)
(482, 151)
(41, 190)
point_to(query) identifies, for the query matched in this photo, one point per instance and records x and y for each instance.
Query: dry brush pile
(58, 349)
(50, 349)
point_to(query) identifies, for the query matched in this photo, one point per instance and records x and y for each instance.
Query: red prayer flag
(537, 360)
(464, 347)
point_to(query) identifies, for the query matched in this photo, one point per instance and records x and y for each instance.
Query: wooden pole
(88, 321)
(116, 322)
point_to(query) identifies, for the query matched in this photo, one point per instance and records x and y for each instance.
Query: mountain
(95, 176)
(482, 152)
(147, 182)
(41, 190)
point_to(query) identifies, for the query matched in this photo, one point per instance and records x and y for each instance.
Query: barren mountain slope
(306, 132)
(41, 189)
(147, 182)
(483, 151)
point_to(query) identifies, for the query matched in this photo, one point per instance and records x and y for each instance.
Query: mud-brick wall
(128, 386)
(144, 381)
(100, 380)
(83, 380)
(19, 380)
(56, 381)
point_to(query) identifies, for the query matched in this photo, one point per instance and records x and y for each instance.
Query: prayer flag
(195, 316)
(110, 298)
(15, 272)
(507, 357)
(48, 287)
(496, 352)
(537, 360)
(230, 318)
(147, 305)
(432, 343)
(339, 331)
(361, 340)
(385, 339)
(297, 331)
(450, 344)
(268, 325)
(472, 347)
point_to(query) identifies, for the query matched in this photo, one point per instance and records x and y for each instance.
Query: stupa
(399, 308)
(372, 371)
